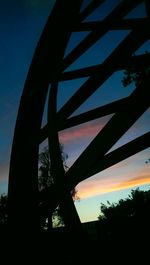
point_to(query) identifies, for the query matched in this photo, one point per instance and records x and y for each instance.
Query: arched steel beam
(23, 173)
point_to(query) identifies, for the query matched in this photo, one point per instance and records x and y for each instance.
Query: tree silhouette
(125, 224)
(3, 212)
(46, 180)
(135, 73)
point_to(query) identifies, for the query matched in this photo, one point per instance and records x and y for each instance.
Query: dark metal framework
(46, 71)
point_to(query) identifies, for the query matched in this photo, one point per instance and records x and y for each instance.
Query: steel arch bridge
(47, 70)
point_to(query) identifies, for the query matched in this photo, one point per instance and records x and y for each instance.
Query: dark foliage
(45, 174)
(3, 210)
(46, 180)
(135, 73)
(125, 225)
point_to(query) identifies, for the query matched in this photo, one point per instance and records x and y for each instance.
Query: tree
(45, 176)
(3, 211)
(127, 219)
(135, 73)
(46, 180)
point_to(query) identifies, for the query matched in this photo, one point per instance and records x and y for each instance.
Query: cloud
(91, 187)
(134, 182)
(84, 131)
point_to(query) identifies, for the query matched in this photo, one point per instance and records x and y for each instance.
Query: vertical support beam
(147, 7)
(67, 207)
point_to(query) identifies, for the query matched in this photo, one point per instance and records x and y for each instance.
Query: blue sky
(21, 25)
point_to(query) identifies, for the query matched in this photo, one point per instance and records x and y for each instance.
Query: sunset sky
(22, 22)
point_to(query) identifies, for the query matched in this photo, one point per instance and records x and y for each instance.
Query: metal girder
(48, 67)
(50, 196)
(96, 69)
(121, 10)
(23, 173)
(67, 207)
(124, 24)
(121, 121)
(84, 117)
(122, 53)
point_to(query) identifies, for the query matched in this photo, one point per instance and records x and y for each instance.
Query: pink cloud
(84, 131)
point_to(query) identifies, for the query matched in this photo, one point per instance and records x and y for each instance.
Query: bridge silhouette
(48, 68)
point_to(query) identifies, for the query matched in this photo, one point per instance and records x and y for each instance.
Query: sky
(21, 24)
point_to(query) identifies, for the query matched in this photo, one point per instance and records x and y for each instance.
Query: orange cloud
(138, 181)
(101, 186)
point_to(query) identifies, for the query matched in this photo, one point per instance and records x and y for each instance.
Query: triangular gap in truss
(43, 145)
(75, 39)
(129, 173)
(102, 11)
(111, 90)
(85, 4)
(100, 50)
(77, 138)
(144, 48)
(140, 127)
(138, 12)
(66, 89)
